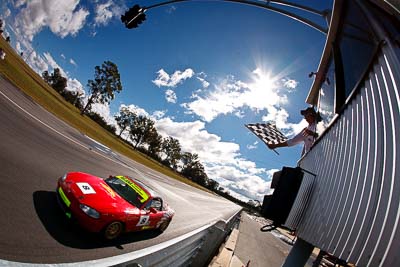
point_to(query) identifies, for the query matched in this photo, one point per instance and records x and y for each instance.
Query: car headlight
(90, 211)
(64, 177)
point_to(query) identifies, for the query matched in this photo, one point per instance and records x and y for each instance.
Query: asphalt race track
(35, 149)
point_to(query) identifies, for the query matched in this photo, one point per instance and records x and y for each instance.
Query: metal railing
(195, 249)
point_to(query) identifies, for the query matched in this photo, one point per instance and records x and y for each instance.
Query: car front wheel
(163, 226)
(113, 230)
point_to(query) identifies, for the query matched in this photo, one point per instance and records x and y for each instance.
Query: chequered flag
(267, 132)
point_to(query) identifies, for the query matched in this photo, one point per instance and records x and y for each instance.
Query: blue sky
(200, 69)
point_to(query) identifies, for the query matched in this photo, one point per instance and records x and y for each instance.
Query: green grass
(14, 69)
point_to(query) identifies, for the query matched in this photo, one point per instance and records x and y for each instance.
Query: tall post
(299, 254)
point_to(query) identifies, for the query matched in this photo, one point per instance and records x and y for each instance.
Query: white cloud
(233, 96)
(37, 62)
(250, 186)
(62, 56)
(222, 160)
(7, 13)
(252, 146)
(18, 3)
(63, 17)
(75, 86)
(239, 114)
(164, 79)
(104, 111)
(135, 109)
(54, 64)
(280, 117)
(40, 64)
(290, 83)
(104, 12)
(170, 96)
(193, 136)
(158, 114)
(73, 62)
(204, 83)
(171, 9)
(18, 47)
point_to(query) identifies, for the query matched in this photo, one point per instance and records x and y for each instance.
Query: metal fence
(195, 249)
(354, 209)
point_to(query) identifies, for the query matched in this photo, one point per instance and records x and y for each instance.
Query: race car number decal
(144, 220)
(86, 188)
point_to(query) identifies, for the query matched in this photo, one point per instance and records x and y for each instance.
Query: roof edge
(337, 11)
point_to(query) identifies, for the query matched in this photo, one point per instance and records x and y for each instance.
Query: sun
(262, 80)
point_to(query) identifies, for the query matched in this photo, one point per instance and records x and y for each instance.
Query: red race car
(112, 206)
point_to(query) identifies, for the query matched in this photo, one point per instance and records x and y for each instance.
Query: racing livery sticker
(135, 187)
(166, 217)
(86, 188)
(108, 189)
(64, 197)
(144, 220)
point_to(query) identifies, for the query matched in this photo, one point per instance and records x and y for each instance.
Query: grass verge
(14, 69)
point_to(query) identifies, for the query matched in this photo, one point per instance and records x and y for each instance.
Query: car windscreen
(128, 190)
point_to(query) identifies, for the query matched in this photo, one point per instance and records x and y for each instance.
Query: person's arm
(297, 139)
(309, 132)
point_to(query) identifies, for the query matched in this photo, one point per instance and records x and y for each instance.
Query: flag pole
(275, 151)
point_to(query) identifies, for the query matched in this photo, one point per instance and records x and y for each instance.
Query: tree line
(137, 130)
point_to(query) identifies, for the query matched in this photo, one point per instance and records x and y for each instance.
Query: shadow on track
(68, 233)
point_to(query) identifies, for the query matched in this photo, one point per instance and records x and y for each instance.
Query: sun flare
(262, 79)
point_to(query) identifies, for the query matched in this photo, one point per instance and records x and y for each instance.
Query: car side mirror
(153, 210)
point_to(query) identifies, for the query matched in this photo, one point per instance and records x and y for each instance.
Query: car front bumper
(70, 205)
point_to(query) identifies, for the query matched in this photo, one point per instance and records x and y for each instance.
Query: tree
(193, 169)
(59, 83)
(196, 173)
(188, 159)
(101, 121)
(251, 202)
(78, 100)
(125, 118)
(46, 77)
(172, 148)
(141, 130)
(213, 185)
(55, 80)
(106, 83)
(155, 144)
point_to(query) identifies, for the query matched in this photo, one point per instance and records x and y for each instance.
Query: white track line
(115, 259)
(111, 260)
(63, 135)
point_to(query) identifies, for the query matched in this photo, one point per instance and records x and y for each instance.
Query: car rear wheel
(113, 230)
(163, 226)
